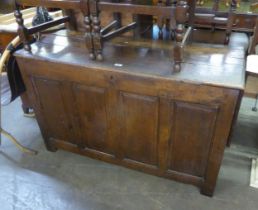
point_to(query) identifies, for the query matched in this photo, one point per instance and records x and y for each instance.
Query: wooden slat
(119, 31)
(109, 27)
(138, 9)
(62, 4)
(47, 25)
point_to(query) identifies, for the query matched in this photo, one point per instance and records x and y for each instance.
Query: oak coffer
(131, 110)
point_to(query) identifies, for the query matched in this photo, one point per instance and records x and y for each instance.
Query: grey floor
(64, 181)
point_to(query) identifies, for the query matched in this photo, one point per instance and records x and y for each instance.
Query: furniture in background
(251, 89)
(219, 27)
(254, 39)
(254, 6)
(244, 18)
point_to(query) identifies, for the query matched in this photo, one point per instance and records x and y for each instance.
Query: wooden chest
(130, 110)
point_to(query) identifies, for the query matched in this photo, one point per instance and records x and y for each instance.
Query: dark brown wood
(88, 28)
(178, 14)
(234, 121)
(44, 26)
(26, 104)
(254, 39)
(109, 27)
(96, 28)
(210, 18)
(119, 31)
(63, 4)
(22, 30)
(5, 39)
(230, 20)
(162, 11)
(244, 22)
(181, 18)
(72, 24)
(137, 114)
(241, 22)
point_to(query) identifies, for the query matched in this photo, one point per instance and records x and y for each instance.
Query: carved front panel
(92, 111)
(191, 137)
(50, 94)
(140, 128)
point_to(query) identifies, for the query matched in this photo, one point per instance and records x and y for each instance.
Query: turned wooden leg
(230, 21)
(181, 18)
(22, 30)
(160, 19)
(88, 29)
(97, 39)
(177, 58)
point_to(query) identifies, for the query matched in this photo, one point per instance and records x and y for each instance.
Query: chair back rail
(177, 12)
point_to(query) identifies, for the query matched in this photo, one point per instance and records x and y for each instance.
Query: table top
(215, 65)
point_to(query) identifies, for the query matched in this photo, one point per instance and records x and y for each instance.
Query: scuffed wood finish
(94, 118)
(139, 115)
(192, 145)
(140, 139)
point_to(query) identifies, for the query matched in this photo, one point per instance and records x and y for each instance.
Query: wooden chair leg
(22, 30)
(181, 18)
(88, 28)
(230, 21)
(97, 39)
